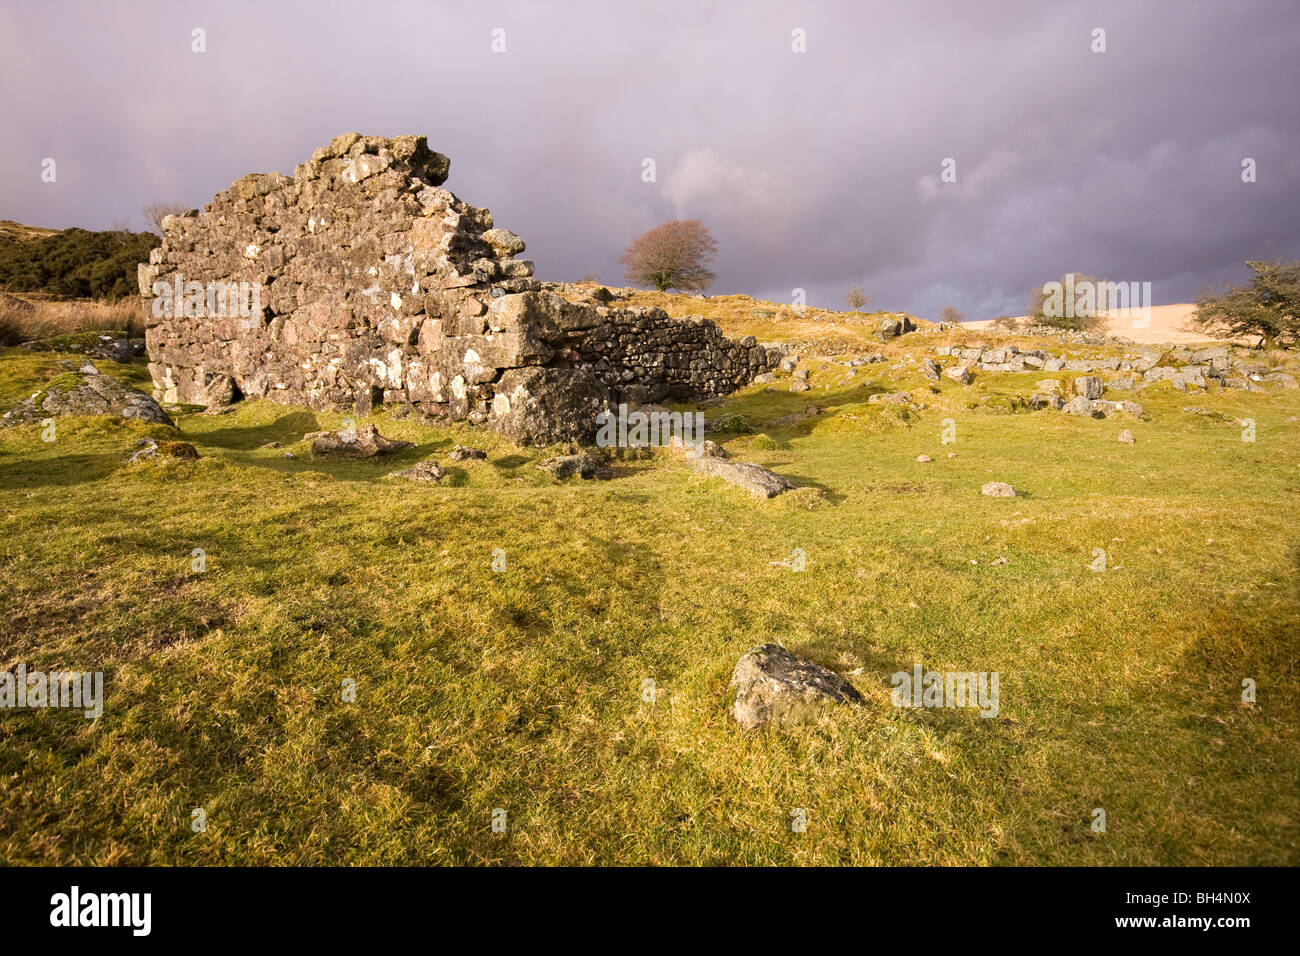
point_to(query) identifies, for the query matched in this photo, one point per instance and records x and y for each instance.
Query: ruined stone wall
(374, 284)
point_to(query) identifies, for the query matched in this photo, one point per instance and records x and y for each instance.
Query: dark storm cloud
(815, 170)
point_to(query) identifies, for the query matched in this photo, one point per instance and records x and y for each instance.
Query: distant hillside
(1167, 324)
(74, 263)
(11, 231)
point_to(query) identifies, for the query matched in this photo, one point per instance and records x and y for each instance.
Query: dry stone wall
(366, 282)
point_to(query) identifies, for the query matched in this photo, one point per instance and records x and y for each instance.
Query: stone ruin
(372, 284)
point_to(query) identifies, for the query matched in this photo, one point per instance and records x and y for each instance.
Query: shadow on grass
(63, 471)
(286, 428)
(510, 461)
(830, 496)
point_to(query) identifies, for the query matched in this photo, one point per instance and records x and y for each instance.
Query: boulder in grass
(1089, 386)
(584, 465)
(363, 441)
(998, 489)
(772, 685)
(462, 453)
(86, 392)
(423, 471)
(147, 448)
(755, 479)
(1082, 405)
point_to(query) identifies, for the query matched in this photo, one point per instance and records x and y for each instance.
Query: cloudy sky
(815, 170)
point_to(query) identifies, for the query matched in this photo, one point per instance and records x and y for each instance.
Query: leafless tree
(155, 213)
(672, 255)
(856, 298)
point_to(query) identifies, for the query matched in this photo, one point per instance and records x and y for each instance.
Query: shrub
(76, 263)
(1268, 307)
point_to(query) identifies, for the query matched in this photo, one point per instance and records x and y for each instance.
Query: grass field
(522, 690)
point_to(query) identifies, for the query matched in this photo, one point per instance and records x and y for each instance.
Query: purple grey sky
(815, 170)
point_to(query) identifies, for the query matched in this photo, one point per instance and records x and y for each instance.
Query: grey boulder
(774, 686)
(86, 392)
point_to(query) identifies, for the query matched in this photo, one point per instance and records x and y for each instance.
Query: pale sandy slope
(1169, 324)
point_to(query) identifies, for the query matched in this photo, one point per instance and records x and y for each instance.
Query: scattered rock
(463, 453)
(86, 392)
(755, 479)
(214, 390)
(998, 489)
(584, 465)
(363, 441)
(959, 373)
(894, 327)
(1126, 437)
(1088, 386)
(428, 470)
(1108, 408)
(924, 458)
(147, 448)
(774, 686)
(1082, 405)
(274, 444)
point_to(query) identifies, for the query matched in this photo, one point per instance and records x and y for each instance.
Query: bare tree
(856, 298)
(155, 213)
(672, 255)
(951, 315)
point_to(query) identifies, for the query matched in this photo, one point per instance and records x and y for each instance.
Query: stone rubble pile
(1191, 368)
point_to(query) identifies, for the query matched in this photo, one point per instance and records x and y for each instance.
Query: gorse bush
(1268, 307)
(76, 263)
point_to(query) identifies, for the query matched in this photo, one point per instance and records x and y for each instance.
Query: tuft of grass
(22, 320)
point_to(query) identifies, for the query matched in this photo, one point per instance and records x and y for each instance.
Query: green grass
(521, 690)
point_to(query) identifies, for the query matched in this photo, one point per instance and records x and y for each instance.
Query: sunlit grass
(522, 690)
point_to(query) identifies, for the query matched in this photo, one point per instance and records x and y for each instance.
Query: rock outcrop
(86, 392)
(360, 280)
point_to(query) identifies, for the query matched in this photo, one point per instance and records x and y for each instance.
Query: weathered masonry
(374, 284)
